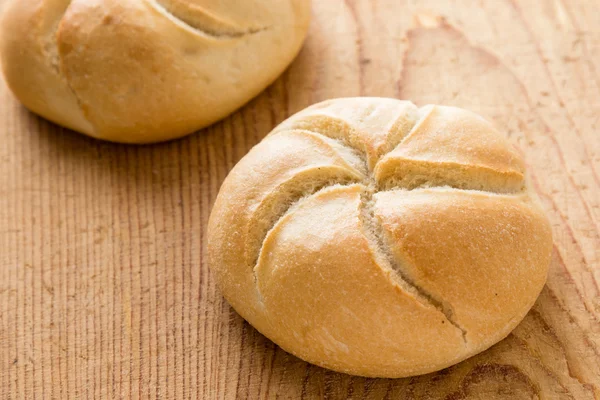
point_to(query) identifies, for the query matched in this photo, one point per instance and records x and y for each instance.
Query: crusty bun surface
(375, 238)
(140, 71)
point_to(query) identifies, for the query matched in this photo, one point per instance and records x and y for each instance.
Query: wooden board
(104, 287)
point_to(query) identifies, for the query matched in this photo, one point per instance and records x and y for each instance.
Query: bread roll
(375, 238)
(139, 71)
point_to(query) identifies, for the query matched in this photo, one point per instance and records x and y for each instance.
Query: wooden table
(105, 291)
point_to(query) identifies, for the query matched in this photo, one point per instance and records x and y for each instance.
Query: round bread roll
(375, 238)
(140, 71)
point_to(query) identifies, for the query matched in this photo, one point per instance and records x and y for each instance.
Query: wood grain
(104, 287)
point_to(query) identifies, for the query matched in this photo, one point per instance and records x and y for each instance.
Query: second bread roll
(140, 71)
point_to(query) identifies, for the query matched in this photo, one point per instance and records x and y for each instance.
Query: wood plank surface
(105, 290)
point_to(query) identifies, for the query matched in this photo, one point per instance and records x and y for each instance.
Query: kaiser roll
(375, 238)
(139, 71)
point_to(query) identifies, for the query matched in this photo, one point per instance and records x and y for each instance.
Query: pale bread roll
(375, 238)
(140, 71)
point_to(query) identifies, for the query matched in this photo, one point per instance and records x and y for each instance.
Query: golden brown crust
(441, 235)
(31, 63)
(324, 292)
(317, 240)
(449, 146)
(145, 71)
